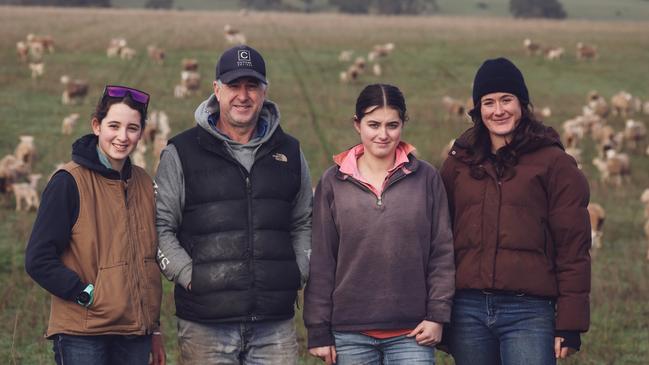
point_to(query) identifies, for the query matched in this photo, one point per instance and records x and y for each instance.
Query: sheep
(646, 232)
(138, 157)
(37, 69)
(585, 51)
(189, 64)
(158, 123)
(644, 199)
(576, 154)
(622, 103)
(597, 215)
(531, 48)
(73, 90)
(377, 70)
(573, 131)
(26, 151)
(352, 74)
(233, 36)
(22, 50)
(546, 112)
(380, 51)
(159, 142)
(634, 133)
(454, 107)
(346, 55)
(11, 169)
(554, 53)
(597, 105)
(68, 124)
(27, 192)
(616, 166)
(45, 42)
(156, 54)
(360, 63)
(36, 51)
(127, 53)
(190, 82)
(645, 107)
(115, 47)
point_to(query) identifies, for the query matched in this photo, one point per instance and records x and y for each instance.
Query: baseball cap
(241, 61)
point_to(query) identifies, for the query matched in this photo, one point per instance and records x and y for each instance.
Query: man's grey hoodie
(175, 262)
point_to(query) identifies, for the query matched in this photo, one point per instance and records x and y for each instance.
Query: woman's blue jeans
(354, 348)
(497, 328)
(101, 350)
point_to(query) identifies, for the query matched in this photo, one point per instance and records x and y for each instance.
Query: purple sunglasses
(116, 91)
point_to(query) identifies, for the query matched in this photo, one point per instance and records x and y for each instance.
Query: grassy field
(434, 56)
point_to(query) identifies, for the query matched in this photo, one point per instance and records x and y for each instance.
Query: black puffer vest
(236, 227)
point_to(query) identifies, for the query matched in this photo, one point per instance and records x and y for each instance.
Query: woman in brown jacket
(521, 231)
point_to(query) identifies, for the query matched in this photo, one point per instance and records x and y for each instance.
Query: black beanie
(499, 75)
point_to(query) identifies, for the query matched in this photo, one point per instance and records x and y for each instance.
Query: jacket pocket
(112, 305)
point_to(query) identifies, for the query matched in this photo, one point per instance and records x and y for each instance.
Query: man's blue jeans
(258, 343)
(355, 348)
(497, 328)
(101, 350)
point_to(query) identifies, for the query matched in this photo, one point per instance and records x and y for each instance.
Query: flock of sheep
(613, 147)
(583, 51)
(360, 64)
(16, 168)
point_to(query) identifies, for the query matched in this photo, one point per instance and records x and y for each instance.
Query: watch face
(83, 298)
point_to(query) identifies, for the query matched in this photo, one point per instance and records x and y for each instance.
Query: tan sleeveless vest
(113, 246)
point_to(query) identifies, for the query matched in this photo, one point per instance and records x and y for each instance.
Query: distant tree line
(537, 9)
(386, 7)
(518, 8)
(76, 3)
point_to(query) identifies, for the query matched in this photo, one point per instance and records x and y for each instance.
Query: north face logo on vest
(243, 58)
(280, 157)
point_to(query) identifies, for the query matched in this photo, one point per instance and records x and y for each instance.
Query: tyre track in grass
(295, 67)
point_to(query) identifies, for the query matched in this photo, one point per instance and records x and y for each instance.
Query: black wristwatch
(85, 297)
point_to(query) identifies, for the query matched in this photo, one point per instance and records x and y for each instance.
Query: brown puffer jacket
(526, 231)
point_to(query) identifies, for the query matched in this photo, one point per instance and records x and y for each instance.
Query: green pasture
(433, 57)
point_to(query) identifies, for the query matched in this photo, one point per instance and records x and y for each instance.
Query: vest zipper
(135, 267)
(251, 246)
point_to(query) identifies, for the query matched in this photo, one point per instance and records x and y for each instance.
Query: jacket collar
(410, 164)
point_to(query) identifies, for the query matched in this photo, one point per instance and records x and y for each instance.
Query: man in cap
(234, 222)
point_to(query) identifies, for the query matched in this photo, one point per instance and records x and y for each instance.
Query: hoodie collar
(208, 111)
(84, 152)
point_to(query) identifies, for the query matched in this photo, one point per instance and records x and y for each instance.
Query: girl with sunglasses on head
(93, 244)
(382, 275)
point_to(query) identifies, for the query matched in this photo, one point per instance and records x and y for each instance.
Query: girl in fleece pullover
(382, 272)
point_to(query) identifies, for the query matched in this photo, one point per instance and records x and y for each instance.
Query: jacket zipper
(379, 198)
(500, 198)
